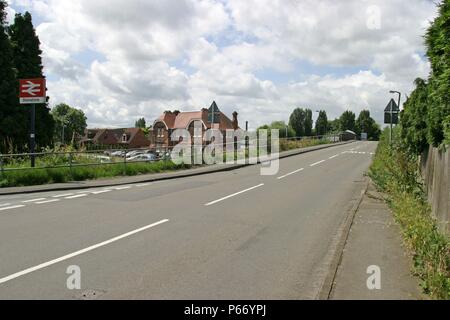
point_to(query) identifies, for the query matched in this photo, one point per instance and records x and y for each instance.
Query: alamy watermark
(235, 147)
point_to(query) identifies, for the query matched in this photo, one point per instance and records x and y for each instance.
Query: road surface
(228, 235)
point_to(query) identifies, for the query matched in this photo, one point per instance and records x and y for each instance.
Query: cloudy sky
(121, 60)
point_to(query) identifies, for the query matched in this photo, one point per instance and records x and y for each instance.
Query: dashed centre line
(63, 195)
(101, 191)
(291, 173)
(317, 163)
(233, 195)
(48, 201)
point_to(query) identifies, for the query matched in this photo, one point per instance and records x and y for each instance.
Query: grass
(396, 172)
(29, 177)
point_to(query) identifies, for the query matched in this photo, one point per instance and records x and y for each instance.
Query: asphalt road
(228, 235)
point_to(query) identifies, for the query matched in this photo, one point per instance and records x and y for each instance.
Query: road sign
(32, 91)
(387, 118)
(393, 105)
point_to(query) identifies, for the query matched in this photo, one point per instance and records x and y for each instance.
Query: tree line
(425, 119)
(21, 58)
(301, 124)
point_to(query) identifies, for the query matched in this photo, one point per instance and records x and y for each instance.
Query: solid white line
(13, 207)
(317, 163)
(77, 196)
(291, 173)
(77, 253)
(48, 201)
(233, 195)
(63, 195)
(335, 156)
(100, 192)
(34, 200)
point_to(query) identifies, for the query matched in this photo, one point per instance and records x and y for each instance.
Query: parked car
(142, 157)
(120, 153)
(134, 153)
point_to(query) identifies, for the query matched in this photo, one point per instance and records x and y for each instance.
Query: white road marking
(100, 192)
(143, 185)
(13, 207)
(76, 196)
(34, 200)
(123, 188)
(77, 253)
(5, 204)
(48, 201)
(335, 156)
(291, 173)
(317, 163)
(233, 195)
(63, 195)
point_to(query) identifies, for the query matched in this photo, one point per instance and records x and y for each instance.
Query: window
(124, 138)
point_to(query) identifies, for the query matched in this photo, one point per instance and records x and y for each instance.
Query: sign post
(32, 91)
(391, 115)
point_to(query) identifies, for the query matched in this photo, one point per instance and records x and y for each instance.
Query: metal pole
(33, 135)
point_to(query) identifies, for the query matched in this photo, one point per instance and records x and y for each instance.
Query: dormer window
(124, 138)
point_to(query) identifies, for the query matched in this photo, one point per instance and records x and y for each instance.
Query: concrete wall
(435, 168)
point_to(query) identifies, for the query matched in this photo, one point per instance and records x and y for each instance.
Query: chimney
(235, 121)
(176, 113)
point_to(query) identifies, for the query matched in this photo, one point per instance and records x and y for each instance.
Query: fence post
(70, 165)
(125, 164)
(1, 167)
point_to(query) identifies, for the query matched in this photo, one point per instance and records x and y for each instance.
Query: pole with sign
(32, 91)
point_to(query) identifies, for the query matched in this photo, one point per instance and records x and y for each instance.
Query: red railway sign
(32, 91)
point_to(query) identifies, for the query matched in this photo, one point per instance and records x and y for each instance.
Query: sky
(122, 60)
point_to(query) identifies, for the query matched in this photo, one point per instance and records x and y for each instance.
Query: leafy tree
(366, 124)
(140, 123)
(334, 126)
(308, 122)
(28, 64)
(347, 121)
(413, 118)
(281, 126)
(437, 41)
(10, 132)
(297, 121)
(74, 121)
(322, 123)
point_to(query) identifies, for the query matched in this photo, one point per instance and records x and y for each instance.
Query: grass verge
(396, 172)
(60, 175)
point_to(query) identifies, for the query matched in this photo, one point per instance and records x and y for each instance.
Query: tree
(347, 121)
(28, 63)
(73, 120)
(308, 122)
(413, 118)
(140, 123)
(322, 123)
(10, 133)
(437, 42)
(297, 121)
(366, 124)
(334, 126)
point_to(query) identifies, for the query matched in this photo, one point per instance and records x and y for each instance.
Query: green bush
(396, 172)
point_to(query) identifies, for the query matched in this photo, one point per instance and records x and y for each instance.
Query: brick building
(169, 121)
(125, 138)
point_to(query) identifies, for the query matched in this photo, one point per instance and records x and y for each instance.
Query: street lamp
(399, 100)
(317, 131)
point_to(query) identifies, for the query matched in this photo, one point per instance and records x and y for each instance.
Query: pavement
(375, 240)
(225, 235)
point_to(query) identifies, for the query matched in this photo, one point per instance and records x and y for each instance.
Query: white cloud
(182, 54)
